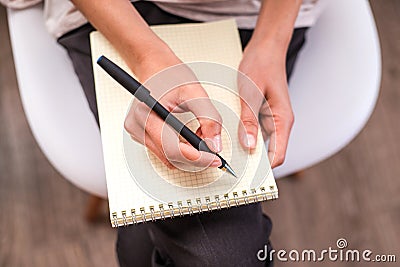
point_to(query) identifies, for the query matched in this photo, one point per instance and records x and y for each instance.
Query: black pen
(143, 94)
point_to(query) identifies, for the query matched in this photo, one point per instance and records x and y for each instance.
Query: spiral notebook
(140, 187)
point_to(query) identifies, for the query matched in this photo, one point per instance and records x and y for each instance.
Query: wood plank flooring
(41, 213)
(352, 195)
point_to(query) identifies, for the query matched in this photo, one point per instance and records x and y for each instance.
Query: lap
(230, 237)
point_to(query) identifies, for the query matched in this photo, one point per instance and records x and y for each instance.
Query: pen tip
(230, 170)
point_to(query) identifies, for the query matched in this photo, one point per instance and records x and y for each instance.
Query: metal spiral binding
(115, 219)
(142, 211)
(171, 209)
(254, 193)
(124, 221)
(228, 201)
(217, 202)
(152, 213)
(207, 203)
(133, 213)
(180, 208)
(190, 208)
(199, 205)
(246, 200)
(264, 196)
(272, 188)
(235, 198)
(162, 213)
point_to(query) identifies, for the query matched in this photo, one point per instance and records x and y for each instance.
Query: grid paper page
(139, 186)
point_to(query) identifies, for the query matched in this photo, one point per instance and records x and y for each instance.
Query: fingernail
(217, 143)
(251, 141)
(216, 163)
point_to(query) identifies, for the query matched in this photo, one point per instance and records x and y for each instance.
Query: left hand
(268, 101)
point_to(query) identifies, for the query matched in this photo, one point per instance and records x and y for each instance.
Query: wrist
(151, 59)
(269, 51)
(153, 51)
(270, 45)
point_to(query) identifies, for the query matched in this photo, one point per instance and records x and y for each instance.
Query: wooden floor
(354, 194)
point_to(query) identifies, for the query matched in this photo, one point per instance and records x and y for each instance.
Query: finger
(178, 89)
(157, 152)
(271, 149)
(166, 139)
(283, 121)
(279, 140)
(266, 121)
(210, 143)
(131, 125)
(250, 103)
(139, 135)
(196, 100)
(193, 157)
(264, 135)
(185, 153)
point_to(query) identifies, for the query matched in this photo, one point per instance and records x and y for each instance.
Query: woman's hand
(146, 54)
(163, 71)
(268, 101)
(264, 61)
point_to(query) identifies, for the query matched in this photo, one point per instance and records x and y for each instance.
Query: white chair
(54, 102)
(335, 84)
(333, 90)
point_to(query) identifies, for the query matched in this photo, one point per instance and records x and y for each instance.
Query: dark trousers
(222, 238)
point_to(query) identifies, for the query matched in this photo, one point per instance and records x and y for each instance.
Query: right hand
(147, 128)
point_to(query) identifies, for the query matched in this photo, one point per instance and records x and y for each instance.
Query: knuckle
(136, 114)
(134, 138)
(140, 111)
(291, 118)
(129, 125)
(249, 121)
(167, 163)
(211, 125)
(162, 157)
(173, 155)
(217, 117)
(279, 159)
(247, 114)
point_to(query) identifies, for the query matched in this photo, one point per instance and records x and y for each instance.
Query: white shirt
(61, 16)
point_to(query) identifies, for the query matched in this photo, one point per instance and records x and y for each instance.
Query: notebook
(140, 188)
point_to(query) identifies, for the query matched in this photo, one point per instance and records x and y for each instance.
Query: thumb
(251, 99)
(248, 128)
(210, 121)
(210, 130)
